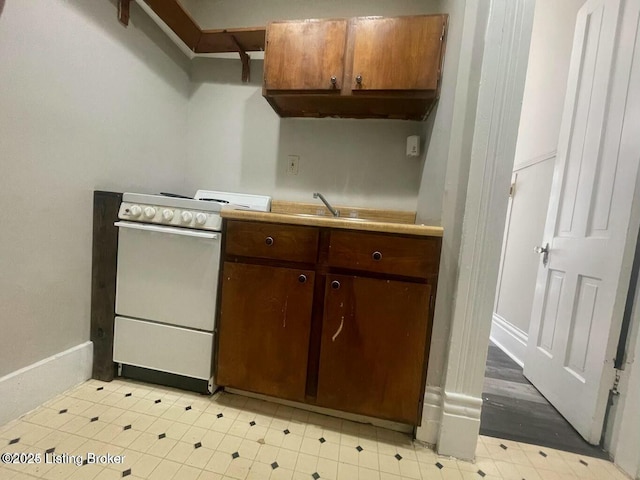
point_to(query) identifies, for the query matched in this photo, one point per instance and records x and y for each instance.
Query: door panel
(385, 52)
(590, 226)
(304, 55)
(265, 321)
(372, 356)
(550, 318)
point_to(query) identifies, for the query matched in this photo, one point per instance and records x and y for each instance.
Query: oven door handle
(170, 230)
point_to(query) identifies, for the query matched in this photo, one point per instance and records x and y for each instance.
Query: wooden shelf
(221, 41)
(206, 41)
(228, 40)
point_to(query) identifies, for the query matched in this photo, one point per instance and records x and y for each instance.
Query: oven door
(167, 275)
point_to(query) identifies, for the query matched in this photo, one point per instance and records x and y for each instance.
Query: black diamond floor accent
(286, 431)
(187, 408)
(252, 423)
(359, 448)
(235, 455)
(584, 463)
(439, 465)
(197, 445)
(321, 440)
(219, 415)
(64, 410)
(274, 465)
(94, 419)
(398, 456)
(127, 427)
(14, 441)
(503, 446)
(161, 436)
(100, 388)
(50, 450)
(542, 453)
(315, 475)
(481, 473)
(127, 394)
(157, 401)
(126, 473)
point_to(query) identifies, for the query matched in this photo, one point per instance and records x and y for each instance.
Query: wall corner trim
(25, 389)
(504, 65)
(428, 431)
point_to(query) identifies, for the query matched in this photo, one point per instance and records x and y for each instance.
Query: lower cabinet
(373, 347)
(264, 327)
(343, 323)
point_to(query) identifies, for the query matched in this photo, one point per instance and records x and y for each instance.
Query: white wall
(238, 143)
(248, 13)
(85, 104)
(542, 104)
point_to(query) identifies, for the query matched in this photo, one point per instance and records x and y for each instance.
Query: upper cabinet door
(402, 53)
(305, 55)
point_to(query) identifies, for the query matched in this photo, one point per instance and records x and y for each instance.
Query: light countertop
(333, 222)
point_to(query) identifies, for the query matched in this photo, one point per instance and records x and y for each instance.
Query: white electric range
(167, 280)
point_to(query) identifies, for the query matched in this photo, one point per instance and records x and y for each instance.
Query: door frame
(504, 63)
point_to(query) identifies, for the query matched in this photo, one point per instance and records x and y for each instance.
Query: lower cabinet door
(264, 327)
(374, 347)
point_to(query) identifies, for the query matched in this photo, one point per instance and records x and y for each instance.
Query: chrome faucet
(335, 212)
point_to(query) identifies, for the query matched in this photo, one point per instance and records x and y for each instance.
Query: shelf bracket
(244, 58)
(123, 12)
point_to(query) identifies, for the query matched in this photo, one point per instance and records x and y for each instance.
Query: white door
(592, 221)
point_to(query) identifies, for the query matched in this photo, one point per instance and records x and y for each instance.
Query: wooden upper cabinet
(383, 67)
(305, 55)
(401, 53)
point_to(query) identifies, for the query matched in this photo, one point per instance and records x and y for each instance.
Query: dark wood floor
(513, 409)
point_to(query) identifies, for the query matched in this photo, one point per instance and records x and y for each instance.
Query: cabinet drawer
(411, 257)
(273, 241)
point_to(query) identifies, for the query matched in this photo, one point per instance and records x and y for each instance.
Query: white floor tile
(168, 434)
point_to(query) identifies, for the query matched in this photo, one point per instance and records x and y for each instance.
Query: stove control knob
(201, 218)
(187, 217)
(167, 214)
(149, 212)
(135, 211)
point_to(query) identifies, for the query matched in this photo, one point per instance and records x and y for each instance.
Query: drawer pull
(302, 278)
(335, 285)
(377, 256)
(268, 241)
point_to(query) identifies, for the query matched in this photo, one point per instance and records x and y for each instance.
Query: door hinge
(616, 383)
(512, 190)
(444, 27)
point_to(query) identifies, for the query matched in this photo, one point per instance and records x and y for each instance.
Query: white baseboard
(25, 389)
(431, 415)
(460, 425)
(509, 338)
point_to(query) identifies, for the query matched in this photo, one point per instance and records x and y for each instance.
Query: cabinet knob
(302, 278)
(377, 256)
(334, 80)
(268, 241)
(335, 285)
(359, 79)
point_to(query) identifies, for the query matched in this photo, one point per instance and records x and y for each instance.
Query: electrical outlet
(292, 165)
